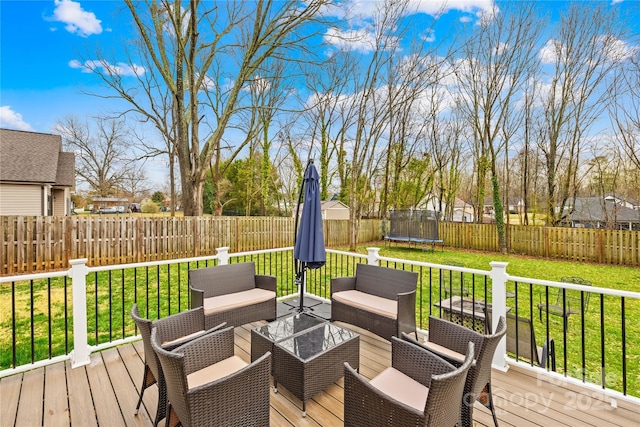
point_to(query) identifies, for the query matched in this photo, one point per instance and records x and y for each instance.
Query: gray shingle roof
(35, 157)
(596, 209)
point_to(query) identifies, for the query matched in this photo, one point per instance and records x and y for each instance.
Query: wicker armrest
(173, 344)
(266, 282)
(417, 362)
(197, 297)
(407, 311)
(453, 336)
(339, 284)
(207, 350)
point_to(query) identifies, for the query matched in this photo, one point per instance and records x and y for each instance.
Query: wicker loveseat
(379, 299)
(233, 293)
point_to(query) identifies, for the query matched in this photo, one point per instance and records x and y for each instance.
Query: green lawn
(160, 291)
(605, 276)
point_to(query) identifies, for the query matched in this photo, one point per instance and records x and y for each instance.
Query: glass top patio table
(288, 326)
(316, 340)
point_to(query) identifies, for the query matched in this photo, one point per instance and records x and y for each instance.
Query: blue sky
(42, 43)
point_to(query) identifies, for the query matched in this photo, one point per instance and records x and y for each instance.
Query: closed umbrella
(308, 250)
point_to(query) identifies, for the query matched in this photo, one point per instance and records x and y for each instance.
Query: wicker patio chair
(177, 329)
(233, 293)
(449, 340)
(208, 386)
(419, 389)
(379, 299)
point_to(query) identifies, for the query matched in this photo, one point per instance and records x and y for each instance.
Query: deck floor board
(106, 391)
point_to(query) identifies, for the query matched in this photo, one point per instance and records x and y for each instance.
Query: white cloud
(429, 36)
(368, 8)
(78, 20)
(361, 40)
(119, 69)
(9, 119)
(613, 48)
(360, 16)
(616, 49)
(551, 51)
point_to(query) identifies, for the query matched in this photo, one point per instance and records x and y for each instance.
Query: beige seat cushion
(382, 306)
(402, 388)
(215, 372)
(237, 299)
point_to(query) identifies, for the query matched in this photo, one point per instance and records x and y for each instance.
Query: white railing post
(499, 279)
(81, 352)
(223, 255)
(372, 256)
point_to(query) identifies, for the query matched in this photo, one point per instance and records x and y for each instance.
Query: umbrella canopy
(309, 245)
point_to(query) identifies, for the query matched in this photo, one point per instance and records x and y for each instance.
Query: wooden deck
(105, 393)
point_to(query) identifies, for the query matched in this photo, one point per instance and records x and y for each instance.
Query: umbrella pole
(302, 266)
(298, 266)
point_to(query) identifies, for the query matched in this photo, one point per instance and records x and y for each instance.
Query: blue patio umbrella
(308, 251)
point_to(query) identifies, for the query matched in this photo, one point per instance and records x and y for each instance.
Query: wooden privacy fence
(31, 244)
(618, 247)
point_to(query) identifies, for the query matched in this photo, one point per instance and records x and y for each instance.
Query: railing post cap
(498, 264)
(78, 261)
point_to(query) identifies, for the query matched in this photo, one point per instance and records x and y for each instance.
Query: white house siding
(59, 202)
(20, 199)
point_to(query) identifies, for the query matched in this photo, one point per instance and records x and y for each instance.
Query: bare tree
(102, 152)
(583, 55)
(203, 55)
(498, 59)
(625, 111)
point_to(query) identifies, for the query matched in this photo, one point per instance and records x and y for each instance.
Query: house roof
(332, 204)
(597, 209)
(32, 157)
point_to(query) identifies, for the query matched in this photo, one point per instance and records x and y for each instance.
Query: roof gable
(34, 158)
(332, 204)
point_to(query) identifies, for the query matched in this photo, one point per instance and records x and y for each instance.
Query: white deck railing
(432, 276)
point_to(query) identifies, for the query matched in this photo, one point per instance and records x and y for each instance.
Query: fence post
(80, 353)
(223, 255)
(372, 257)
(499, 279)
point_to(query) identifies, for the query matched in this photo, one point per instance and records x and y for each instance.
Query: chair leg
(147, 380)
(161, 412)
(491, 407)
(486, 398)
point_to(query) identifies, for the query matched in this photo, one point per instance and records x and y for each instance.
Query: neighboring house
(462, 211)
(596, 212)
(36, 176)
(515, 205)
(334, 209)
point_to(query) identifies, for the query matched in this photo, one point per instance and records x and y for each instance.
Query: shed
(334, 209)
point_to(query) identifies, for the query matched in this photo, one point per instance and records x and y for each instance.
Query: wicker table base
(309, 362)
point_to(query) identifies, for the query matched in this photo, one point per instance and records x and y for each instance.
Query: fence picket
(30, 244)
